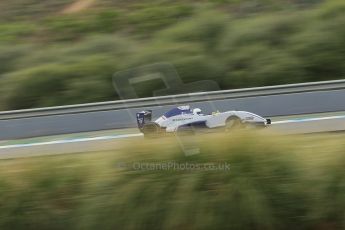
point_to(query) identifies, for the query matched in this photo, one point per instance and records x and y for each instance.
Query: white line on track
(71, 141)
(112, 137)
(297, 120)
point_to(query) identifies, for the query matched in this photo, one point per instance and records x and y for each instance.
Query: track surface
(106, 140)
(270, 101)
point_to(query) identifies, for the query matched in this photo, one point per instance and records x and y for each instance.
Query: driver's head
(197, 111)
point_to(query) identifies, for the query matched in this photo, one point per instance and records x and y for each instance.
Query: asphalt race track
(271, 101)
(306, 124)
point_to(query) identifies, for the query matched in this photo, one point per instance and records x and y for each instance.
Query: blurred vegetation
(273, 183)
(51, 55)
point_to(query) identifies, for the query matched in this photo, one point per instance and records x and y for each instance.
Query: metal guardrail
(175, 99)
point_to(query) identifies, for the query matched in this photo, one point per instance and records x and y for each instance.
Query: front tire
(233, 123)
(150, 130)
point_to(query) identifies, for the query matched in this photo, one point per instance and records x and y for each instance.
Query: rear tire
(233, 123)
(150, 130)
(185, 131)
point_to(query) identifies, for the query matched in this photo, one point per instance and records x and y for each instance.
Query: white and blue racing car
(184, 118)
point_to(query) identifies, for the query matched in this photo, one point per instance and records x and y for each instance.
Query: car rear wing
(143, 117)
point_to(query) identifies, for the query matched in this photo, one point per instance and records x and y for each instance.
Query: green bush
(25, 10)
(205, 28)
(71, 27)
(273, 183)
(209, 40)
(54, 84)
(15, 31)
(152, 18)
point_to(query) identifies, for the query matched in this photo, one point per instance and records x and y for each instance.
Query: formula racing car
(184, 118)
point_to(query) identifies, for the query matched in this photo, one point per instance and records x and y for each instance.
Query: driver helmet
(197, 111)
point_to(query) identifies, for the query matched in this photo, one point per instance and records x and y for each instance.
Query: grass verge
(274, 182)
